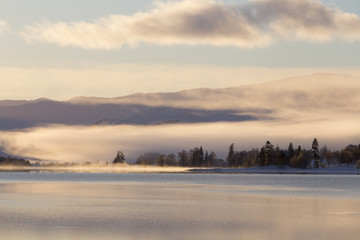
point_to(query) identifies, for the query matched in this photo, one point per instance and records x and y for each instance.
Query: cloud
(4, 27)
(82, 144)
(258, 23)
(308, 20)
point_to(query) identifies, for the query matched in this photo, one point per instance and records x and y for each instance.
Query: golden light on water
(60, 210)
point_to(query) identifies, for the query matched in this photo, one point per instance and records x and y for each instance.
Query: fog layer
(100, 143)
(296, 110)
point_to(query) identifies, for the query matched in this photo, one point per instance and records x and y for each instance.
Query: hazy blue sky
(108, 48)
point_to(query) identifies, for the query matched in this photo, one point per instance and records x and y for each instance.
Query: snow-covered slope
(310, 92)
(298, 97)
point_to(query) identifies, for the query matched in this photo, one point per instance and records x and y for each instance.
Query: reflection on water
(162, 210)
(334, 186)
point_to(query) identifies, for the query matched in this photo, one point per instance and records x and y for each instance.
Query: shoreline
(96, 169)
(333, 170)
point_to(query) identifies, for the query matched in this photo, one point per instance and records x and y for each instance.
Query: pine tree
(120, 158)
(269, 153)
(231, 156)
(298, 151)
(197, 157)
(329, 157)
(201, 157)
(171, 160)
(316, 154)
(262, 157)
(191, 161)
(206, 160)
(291, 150)
(277, 156)
(282, 158)
(161, 160)
(299, 159)
(183, 158)
(212, 159)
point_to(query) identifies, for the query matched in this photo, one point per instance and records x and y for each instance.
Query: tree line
(297, 157)
(195, 157)
(10, 161)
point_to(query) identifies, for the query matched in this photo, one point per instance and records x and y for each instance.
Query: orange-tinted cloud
(258, 23)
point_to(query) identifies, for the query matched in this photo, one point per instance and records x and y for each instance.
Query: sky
(111, 48)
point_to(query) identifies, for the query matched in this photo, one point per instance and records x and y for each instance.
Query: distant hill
(286, 98)
(331, 90)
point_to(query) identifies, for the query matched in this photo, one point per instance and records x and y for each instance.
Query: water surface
(178, 206)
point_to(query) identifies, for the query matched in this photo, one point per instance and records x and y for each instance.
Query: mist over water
(100, 143)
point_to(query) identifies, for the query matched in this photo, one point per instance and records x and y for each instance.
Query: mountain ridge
(284, 98)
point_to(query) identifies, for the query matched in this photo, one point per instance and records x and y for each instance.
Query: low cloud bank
(82, 144)
(258, 23)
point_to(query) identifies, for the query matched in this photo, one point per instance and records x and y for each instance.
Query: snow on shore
(332, 170)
